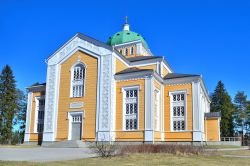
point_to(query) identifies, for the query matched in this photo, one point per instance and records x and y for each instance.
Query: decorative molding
(76, 105)
(72, 45)
(105, 94)
(50, 98)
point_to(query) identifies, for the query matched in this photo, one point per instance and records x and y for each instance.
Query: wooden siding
(212, 129)
(130, 135)
(33, 135)
(178, 136)
(90, 98)
(120, 65)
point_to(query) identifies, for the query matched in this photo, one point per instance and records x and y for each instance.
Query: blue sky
(211, 38)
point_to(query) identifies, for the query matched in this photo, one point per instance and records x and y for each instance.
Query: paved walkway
(41, 154)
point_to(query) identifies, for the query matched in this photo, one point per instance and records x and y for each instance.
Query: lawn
(149, 159)
(221, 146)
(234, 152)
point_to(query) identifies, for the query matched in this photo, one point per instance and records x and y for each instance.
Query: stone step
(67, 144)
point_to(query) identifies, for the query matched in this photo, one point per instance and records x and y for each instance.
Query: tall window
(126, 51)
(40, 115)
(178, 111)
(78, 81)
(130, 109)
(132, 50)
(157, 110)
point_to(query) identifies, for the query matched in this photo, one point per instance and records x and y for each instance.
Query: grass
(148, 159)
(234, 152)
(221, 146)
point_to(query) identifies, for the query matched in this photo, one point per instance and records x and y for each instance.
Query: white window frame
(37, 108)
(171, 109)
(157, 110)
(72, 78)
(124, 89)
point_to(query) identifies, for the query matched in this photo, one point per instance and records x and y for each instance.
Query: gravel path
(41, 154)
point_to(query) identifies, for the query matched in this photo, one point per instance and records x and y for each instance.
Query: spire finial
(126, 25)
(126, 19)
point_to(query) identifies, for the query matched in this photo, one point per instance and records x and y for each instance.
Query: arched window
(126, 51)
(77, 80)
(132, 50)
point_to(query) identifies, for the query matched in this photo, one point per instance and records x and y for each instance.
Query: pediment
(79, 42)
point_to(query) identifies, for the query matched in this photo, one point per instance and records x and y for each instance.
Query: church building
(117, 91)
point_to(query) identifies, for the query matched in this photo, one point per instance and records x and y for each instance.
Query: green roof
(124, 37)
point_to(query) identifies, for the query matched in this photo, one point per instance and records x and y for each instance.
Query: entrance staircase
(67, 144)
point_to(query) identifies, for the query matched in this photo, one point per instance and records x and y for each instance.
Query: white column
(28, 116)
(197, 134)
(149, 134)
(104, 128)
(51, 103)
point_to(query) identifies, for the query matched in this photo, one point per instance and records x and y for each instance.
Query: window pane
(131, 108)
(127, 108)
(131, 93)
(174, 111)
(174, 97)
(178, 111)
(182, 125)
(182, 111)
(135, 108)
(182, 96)
(174, 125)
(127, 124)
(135, 123)
(178, 97)
(135, 93)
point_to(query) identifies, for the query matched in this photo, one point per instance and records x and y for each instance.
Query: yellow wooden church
(117, 91)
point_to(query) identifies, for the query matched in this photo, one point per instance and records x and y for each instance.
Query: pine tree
(221, 102)
(8, 103)
(20, 116)
(242, 112)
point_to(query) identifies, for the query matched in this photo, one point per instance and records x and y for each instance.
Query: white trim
(124, 89)
(219, 129)
(171, 93)
(118, 57)
(72, 77)
(162, 113)
(157, 128)
(144, 64)
(170, 71)
(37, 108)
(28, 117)
(70, 114)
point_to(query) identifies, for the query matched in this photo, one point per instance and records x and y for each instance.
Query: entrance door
(76, 127)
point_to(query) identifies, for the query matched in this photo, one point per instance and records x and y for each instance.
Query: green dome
(124, 37)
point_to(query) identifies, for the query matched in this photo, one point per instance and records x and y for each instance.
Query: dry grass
(167, 148)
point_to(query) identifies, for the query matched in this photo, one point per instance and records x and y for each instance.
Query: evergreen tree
(20, 116)
(242, 112)
(8, 103)
(221, 102)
